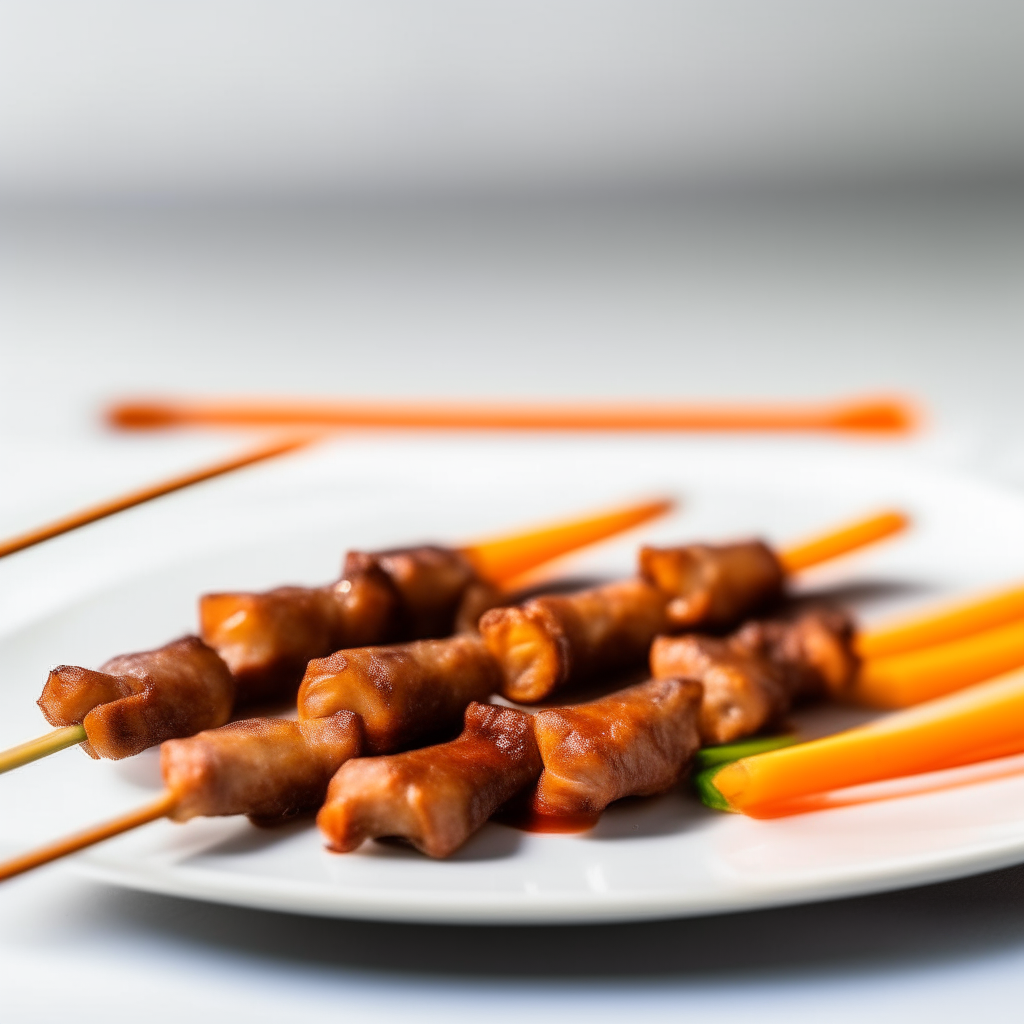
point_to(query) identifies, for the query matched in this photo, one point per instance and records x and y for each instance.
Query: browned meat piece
(435, 797)
(430, 583)
(268, 768)
(711, 587)
(742, 692)
(814, 650)
(754, 676)
(404, 692)
(552, 641)
(267, 639)
(635, 742)
(138, 700)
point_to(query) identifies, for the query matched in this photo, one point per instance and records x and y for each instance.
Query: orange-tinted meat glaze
(431, 583)
(435, 797)
(742, 692)
(755, 676)
(814, 650)
(553, 641)
(403, 692)
(136, 701)
(713, 587)
(268, 638)
(635, 742)
(268, 768)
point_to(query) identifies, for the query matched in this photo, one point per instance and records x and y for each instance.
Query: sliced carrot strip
(977, 724)
(943, 625)
(502, 559)
(907, 679)
(842, 541)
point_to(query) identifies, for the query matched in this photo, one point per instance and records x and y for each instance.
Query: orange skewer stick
(842, 541)
(502, 559)
(977, 724)
(871, 415)
(903, 680)
(144, 494)
(159, 808)
(947, 624)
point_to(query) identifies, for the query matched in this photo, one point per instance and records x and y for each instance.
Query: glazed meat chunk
(435, 797)
(403, 692)
(267, 639)
(755, 676)
(553, 641)
(742, 692)
(268, 768)
(815, 650)
(713, 586)
(136, 701)
(635, 742)
(435, 588)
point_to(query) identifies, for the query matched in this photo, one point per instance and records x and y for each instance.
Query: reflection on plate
(661, 857)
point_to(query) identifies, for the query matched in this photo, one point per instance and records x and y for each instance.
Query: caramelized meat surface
(431, 584)
(814, 651)
(435, 797)
(635, 742)
(550, 642)
(268, 768)
(267, 639)
(136, 701)
(742, 692)
(403, 692)
(712, 587)
(754, 676)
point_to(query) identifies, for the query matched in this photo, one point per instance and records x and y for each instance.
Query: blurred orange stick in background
(869, 415)
(944, 625)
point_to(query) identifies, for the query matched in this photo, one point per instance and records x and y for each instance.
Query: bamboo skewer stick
(144, 494)
(42, 746)
(872, 415)
(159, 808)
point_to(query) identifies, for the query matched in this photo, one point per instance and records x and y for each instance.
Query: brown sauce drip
(521, 815)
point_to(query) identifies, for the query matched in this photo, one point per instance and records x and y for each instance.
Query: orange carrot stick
(72, 844)
(946, 624)
(906, 679)
(842, 540)
(872, 415)
(133, 498)
(502, 559)
(977, 724)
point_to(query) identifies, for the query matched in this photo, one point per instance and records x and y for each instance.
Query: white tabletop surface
(812, 299)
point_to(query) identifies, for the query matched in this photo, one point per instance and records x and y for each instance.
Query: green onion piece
(704, 783)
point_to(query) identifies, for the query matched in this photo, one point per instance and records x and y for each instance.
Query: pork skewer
(268, 768)
(271, 768)
(554, 641)
(268, 638)
(635, 742)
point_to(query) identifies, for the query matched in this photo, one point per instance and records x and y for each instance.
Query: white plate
(646, 859)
